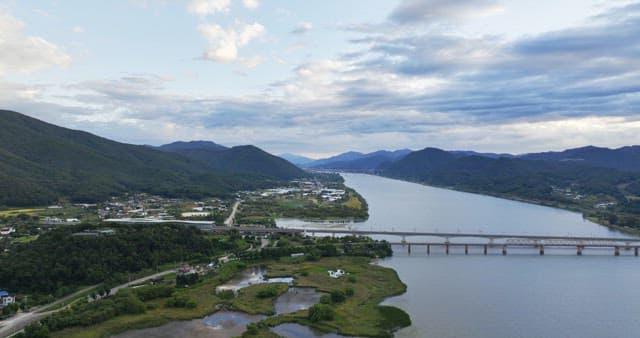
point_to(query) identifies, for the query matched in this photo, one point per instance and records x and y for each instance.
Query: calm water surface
(521, 295)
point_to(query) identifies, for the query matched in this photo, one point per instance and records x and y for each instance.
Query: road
(139, 281)
(229, 221)
(19, 321)
(16, 323)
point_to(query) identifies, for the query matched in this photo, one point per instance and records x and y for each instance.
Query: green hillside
(41, 163)
(240, 159)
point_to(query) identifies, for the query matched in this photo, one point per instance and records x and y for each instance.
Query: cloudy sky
(323, 77)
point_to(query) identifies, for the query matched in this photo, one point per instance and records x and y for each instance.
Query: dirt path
(229, 221)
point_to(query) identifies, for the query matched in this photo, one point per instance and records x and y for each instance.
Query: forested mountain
(298, 160)
(626, 158)
(202, 145)
(359, 161)
(41, 163)
(241, 159)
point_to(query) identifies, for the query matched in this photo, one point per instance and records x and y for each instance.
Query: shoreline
(625, 230)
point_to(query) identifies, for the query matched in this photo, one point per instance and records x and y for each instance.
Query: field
(16, 212)
(359, 315)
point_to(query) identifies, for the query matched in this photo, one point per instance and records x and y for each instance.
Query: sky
(318, 78)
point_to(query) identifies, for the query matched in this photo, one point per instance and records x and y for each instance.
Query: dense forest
(241, 159)
(41, 163)
(65, 258)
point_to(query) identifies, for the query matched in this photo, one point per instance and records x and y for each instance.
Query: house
(6, 298)
(7, 231)
(336, 274)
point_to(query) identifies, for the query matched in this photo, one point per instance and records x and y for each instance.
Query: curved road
(16, 323)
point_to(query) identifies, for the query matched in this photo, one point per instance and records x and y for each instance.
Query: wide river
(518, 295)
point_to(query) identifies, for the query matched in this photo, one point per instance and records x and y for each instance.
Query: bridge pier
(635, 251)
(409, 249)
(541, 250)
(466, 249)
(579, 250)
(616, 251)
(428, 249)
(504, 250)
(446, 248)
(485, 249)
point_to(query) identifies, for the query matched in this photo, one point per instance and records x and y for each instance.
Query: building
(336, 274)
(6, 298)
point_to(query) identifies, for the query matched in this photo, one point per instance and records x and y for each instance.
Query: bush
(226, 294)
(320, 312)
(181, 301)
(325, 299)
(349, 292)
(146, 293)
(268, 292)
(338, 296)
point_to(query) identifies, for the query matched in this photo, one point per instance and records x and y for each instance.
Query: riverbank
(587, 213)
(358, 315)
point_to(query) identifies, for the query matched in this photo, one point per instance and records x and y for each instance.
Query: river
(518, 295)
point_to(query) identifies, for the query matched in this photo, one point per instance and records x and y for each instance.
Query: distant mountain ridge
(358, 161)
(41, 163)
(298, 160)
(624, 158)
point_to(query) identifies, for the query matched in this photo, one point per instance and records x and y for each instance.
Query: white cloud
(303, 27)
(203, 8)
(251, 4)
(414, 11)
(23, 53)
(78, 29)
(224, 43)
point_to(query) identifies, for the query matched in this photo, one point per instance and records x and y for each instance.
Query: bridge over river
(449, 240)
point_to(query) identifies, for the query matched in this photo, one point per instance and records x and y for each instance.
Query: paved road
(139, 280)
(229, 221)
(16, 323)
(19, 321)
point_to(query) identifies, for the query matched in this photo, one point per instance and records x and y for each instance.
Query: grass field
(249, 302)
(359, 315)
(16, 212)
(353, 203)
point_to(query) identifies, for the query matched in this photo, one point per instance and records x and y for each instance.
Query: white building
(6, 298)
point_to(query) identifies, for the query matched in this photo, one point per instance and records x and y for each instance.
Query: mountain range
(624, 158)
(41, 163)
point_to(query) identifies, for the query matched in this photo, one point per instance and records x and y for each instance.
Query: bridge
(484, 241)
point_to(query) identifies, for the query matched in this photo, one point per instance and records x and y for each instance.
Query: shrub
(338, 296)
(268, 292)
(181, 301)
(349, 292)
(325, 299)
(320, 312)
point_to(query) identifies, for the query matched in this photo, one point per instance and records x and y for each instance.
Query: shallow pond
(226, 324)
(251, 276)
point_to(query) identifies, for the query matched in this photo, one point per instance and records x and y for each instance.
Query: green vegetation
(258, 209)
(258, 299)
(59, 260)
(43, 164)
(356, 315)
